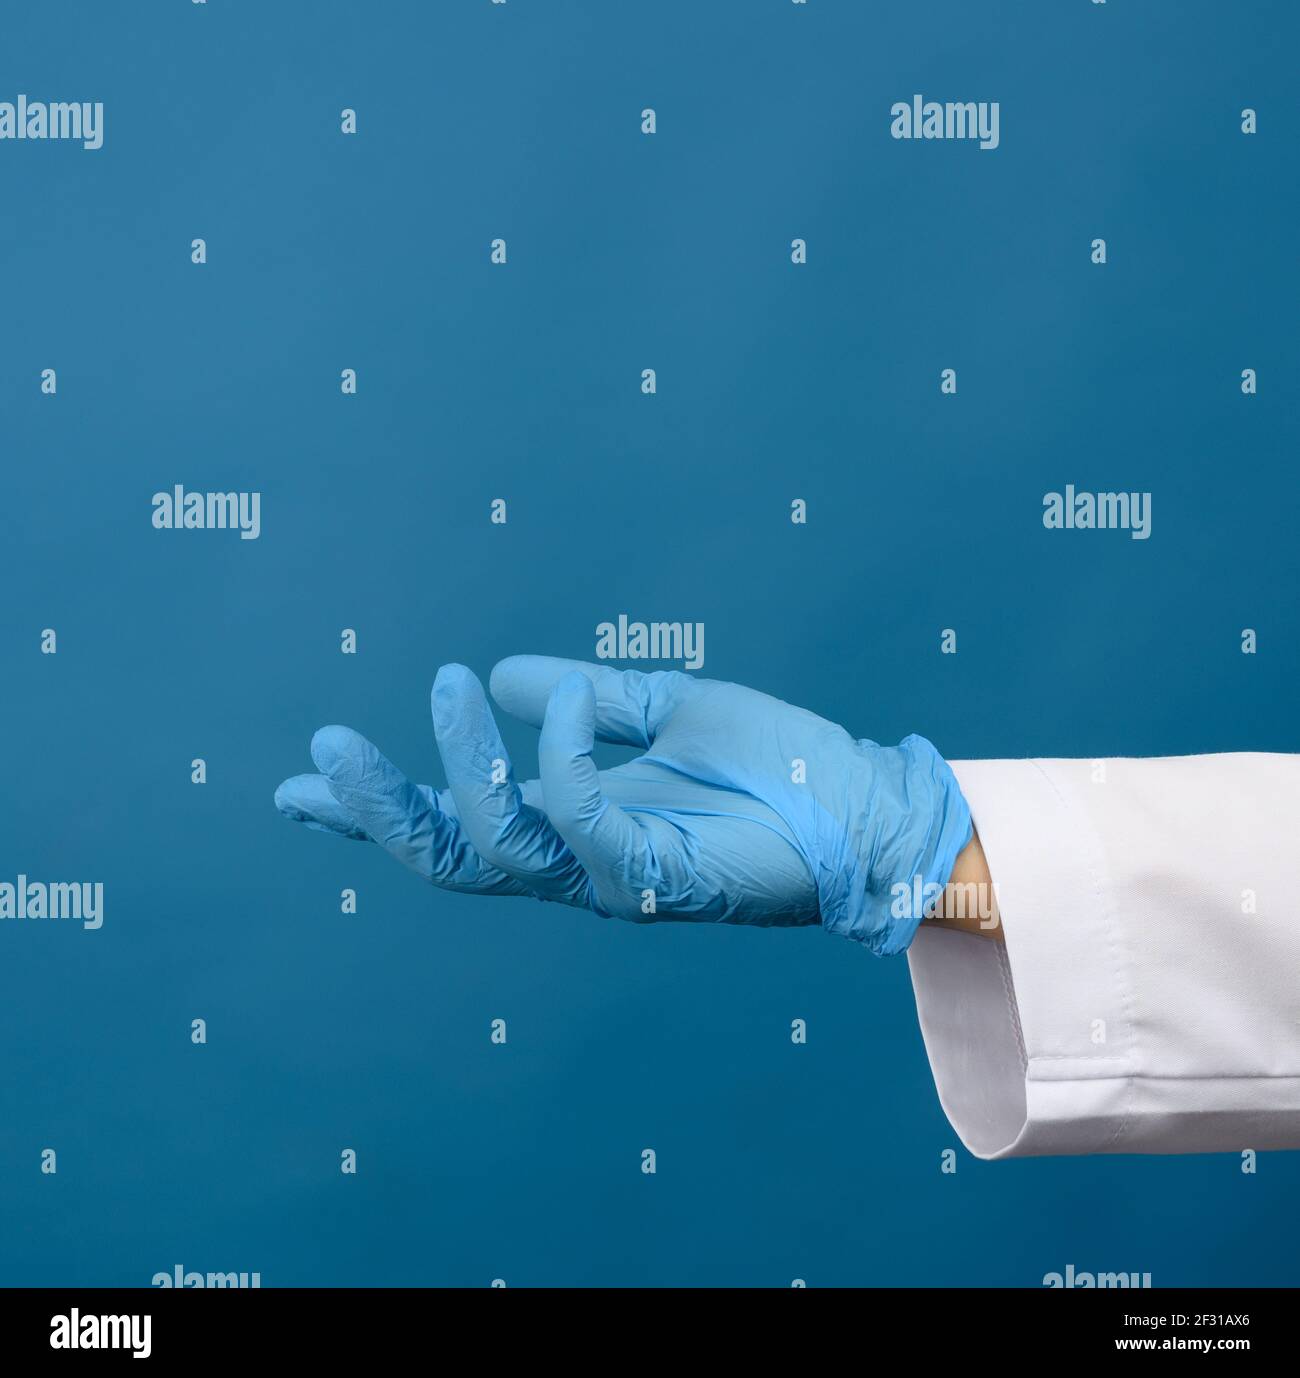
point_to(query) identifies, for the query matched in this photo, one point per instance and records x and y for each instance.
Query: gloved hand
(743, 809)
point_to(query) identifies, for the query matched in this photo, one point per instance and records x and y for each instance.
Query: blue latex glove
(709, 824)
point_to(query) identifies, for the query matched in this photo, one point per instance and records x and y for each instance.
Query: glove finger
(632, 708)
(612, 846)
(307, 799)
(401, 816)
(504, 830)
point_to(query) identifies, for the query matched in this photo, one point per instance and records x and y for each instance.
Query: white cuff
(1131, 1007)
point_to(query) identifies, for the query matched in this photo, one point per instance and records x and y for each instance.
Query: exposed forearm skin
(969, 902)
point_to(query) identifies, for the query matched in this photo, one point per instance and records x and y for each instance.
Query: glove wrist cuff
(914, 824)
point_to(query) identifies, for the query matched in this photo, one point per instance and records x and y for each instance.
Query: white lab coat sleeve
(1147, 996)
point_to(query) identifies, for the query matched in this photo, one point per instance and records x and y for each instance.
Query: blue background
(626, 252)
